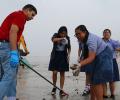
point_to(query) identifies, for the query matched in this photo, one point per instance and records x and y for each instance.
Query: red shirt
(18, 18)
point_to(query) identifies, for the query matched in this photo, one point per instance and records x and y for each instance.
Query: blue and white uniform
(114, 45)
(102, 70)
(59, 55)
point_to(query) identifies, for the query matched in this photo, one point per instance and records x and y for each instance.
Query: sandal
(86, 92)
(53, 92)
(62, 93)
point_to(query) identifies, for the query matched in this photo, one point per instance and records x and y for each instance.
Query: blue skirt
(59, 62)
(88, 68)
(103, 67)
(116, 76)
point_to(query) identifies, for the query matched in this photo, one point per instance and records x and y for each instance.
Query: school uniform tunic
(114, 45)
(59, 60)
(102, 70)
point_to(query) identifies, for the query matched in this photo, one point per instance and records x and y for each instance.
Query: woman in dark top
(59, 61)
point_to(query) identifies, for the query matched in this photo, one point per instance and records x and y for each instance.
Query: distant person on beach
(23, 50)
(100, 56)
(10, 33)
(115, 46)
(59, 61)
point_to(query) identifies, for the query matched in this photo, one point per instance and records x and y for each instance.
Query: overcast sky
(95, 14)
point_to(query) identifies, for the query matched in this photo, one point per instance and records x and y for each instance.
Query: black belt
(4, 41)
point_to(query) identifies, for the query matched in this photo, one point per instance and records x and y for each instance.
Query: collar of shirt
(23, 14)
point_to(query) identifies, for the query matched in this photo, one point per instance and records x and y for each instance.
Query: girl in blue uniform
(115, 46)
(59, 61)
(100, 55)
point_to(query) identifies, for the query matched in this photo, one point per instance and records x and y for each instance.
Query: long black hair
(63, 29)
(83, 29)
(85, 48)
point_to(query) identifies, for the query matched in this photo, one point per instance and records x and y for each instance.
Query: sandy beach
(30, 86)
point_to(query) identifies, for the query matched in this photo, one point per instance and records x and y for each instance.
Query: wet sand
(32, 87)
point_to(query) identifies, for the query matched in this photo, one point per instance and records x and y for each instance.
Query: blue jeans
(8, 79)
